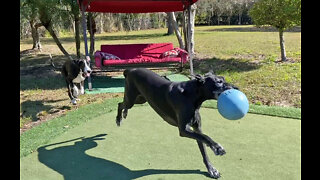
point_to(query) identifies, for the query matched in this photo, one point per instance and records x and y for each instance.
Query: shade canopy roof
(135, 6)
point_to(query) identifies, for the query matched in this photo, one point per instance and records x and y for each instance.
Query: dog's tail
(125, 72)
(52, 64)
(51, 61)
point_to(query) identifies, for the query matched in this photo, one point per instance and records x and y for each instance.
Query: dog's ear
(200, 79)
(211, 69)
(222, 78)
(235, 87)
(166, 78)
(88, 59)
(76, 62)
(180, 89)
(210, 73)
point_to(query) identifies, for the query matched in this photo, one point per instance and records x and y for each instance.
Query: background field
(247, 56)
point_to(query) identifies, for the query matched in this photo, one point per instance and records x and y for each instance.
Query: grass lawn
(146, 147)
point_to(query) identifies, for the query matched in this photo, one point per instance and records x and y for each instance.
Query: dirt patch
(48, 107)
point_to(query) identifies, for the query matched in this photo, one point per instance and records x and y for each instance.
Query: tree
(169, 23)
(48, 11)
(28, 11)
(229, 9)
(75, 15)
(281, 14)
(92, 28)
(175, 26)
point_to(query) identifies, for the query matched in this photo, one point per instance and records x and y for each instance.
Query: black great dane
(178, 103)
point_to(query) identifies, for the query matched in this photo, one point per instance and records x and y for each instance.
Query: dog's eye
(219, 81)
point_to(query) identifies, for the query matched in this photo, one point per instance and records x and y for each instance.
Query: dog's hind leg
(119, 115)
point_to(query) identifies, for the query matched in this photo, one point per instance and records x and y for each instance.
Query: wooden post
(189, 31)
(84, 26)
(184, 30)
(193, 8)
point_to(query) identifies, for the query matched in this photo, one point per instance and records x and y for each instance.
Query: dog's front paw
(82, 91)
(74, 101)
(218, 150)
(213, 172)
(118, 121)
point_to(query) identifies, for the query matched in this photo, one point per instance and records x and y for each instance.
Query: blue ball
(233, 104)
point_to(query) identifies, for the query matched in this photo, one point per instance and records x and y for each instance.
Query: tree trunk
(76, 21)
(240, 15)
(100, 24)
(176, 29)
(92, 30)
(77, 33)
(45, 20)
(282, 46)
(169, 23)
(35, 35)
(57, 41)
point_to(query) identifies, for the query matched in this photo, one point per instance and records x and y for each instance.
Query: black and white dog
(178, 103)
(75, 72)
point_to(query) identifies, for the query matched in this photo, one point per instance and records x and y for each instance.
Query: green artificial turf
(43, 133)
(145, 147)
(107, 84)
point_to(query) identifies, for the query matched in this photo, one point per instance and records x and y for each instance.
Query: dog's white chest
(79, 78)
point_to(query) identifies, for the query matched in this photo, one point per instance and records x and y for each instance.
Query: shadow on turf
(253, 29)
(225, 65)
(72, 162)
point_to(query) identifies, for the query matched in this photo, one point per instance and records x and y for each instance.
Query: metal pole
(84, 26)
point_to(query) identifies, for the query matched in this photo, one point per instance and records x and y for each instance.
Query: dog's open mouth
(216, 94)
(85, 75)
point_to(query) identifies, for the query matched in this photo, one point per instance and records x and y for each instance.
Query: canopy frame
(85, 6)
